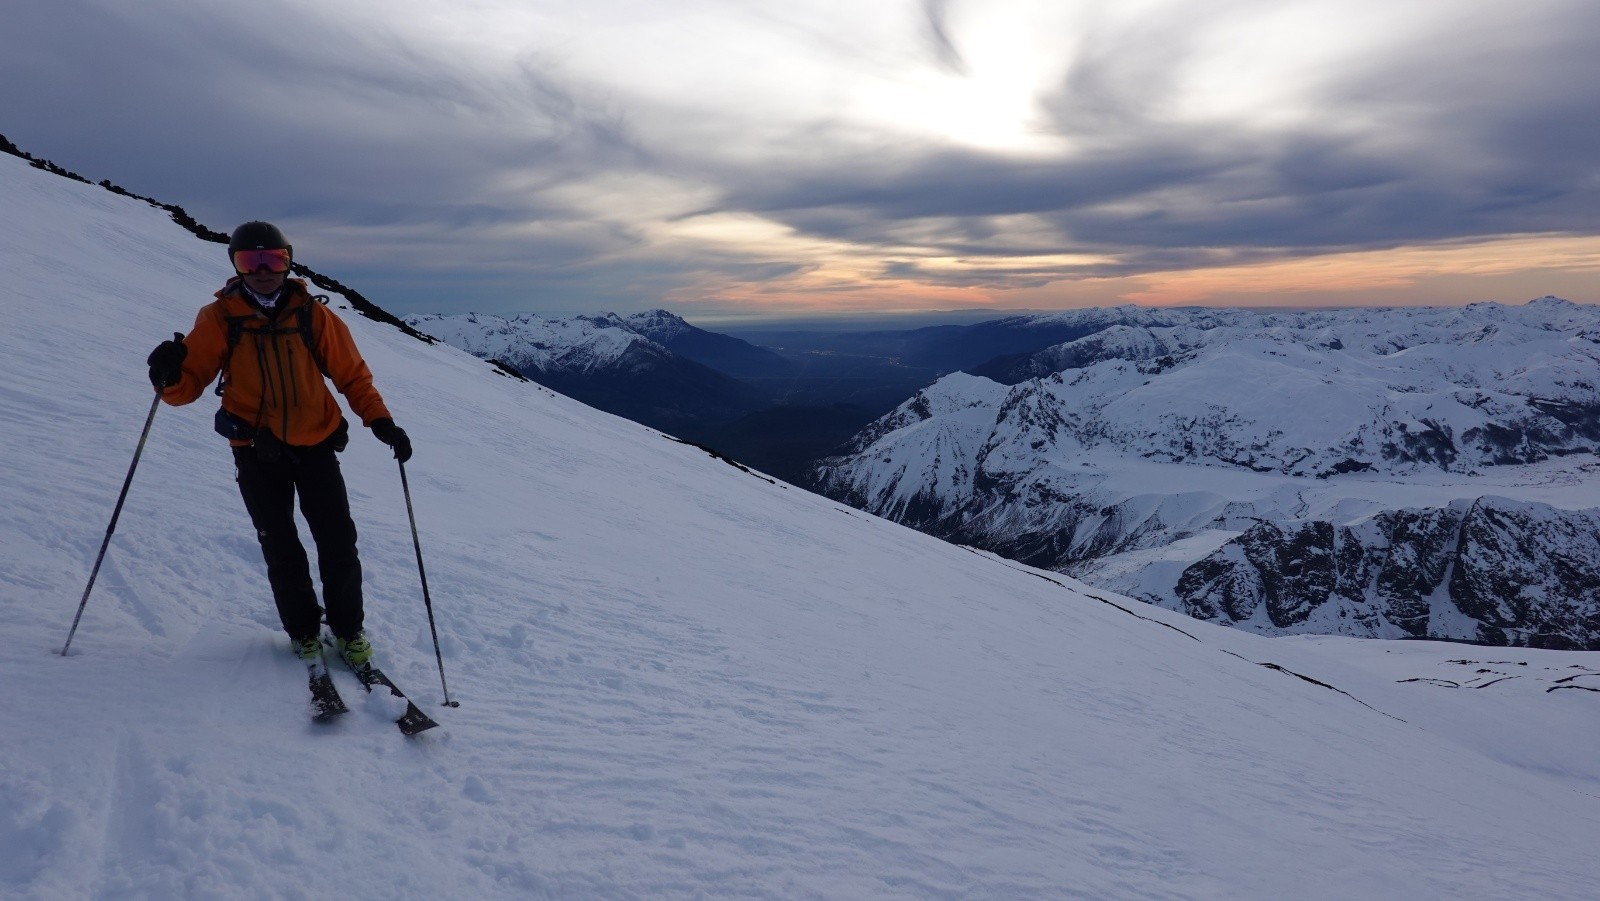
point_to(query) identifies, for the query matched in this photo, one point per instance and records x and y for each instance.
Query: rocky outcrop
(1495, 571)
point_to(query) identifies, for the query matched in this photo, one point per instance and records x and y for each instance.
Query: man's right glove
(386, 431)
(166, 362)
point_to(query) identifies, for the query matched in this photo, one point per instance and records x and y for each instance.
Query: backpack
(226, 424)
(302, 327)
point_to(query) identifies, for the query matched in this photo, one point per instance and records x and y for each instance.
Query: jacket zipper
(294, 383)
(283, 380)
(268, 390)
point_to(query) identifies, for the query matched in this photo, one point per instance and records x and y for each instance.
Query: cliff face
(1495, 570)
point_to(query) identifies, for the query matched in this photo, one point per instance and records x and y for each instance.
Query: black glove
(386, 431)
(166, 362)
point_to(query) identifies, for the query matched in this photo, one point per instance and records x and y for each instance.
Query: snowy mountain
(723, 353)
(587, 344)
(676, 679)
(607, 361)
(655, 368)
(1211, 445)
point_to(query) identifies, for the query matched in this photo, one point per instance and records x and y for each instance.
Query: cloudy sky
(775, 156)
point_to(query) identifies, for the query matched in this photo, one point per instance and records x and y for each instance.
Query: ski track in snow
(676, 679)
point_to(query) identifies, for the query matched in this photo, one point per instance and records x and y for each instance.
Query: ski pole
(427, 600)
(156, 402)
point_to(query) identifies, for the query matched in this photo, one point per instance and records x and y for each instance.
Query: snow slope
(677, 679)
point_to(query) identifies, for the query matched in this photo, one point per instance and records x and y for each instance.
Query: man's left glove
(166, 362)
(386, 431)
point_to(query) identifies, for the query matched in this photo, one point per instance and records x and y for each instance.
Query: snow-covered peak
(659, 325)
(536, 343)
(1454, 388)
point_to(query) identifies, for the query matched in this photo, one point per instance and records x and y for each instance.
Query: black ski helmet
(258, 235)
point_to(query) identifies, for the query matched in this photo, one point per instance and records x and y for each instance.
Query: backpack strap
(235, 327)
(303, 316)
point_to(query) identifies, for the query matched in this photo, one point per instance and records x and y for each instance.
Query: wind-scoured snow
(676, 679)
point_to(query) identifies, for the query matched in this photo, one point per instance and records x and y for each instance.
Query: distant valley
(778, 406)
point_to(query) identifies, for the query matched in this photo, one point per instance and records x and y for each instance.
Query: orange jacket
(273, 382)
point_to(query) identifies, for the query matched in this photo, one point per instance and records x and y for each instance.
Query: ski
(325, 701)
(413, 720)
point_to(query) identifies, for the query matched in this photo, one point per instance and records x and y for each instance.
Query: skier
(274, 343)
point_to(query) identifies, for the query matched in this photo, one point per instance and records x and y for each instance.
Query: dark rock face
(1281, 572)
(1416, 563)
(1524, 573)
(1522, 570)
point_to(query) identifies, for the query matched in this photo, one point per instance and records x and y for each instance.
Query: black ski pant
(269, 490)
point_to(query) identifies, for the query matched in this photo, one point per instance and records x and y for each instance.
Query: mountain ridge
(1252, 412)
(620, 364)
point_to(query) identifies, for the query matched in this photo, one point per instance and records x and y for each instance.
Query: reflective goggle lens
(251, 260)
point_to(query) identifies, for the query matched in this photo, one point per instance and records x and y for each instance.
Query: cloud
(542, 154)
(1488, 138)
(935, 13)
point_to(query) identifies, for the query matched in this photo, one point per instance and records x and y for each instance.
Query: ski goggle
(276, 260)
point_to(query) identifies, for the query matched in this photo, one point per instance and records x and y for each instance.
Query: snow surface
(677, 679)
